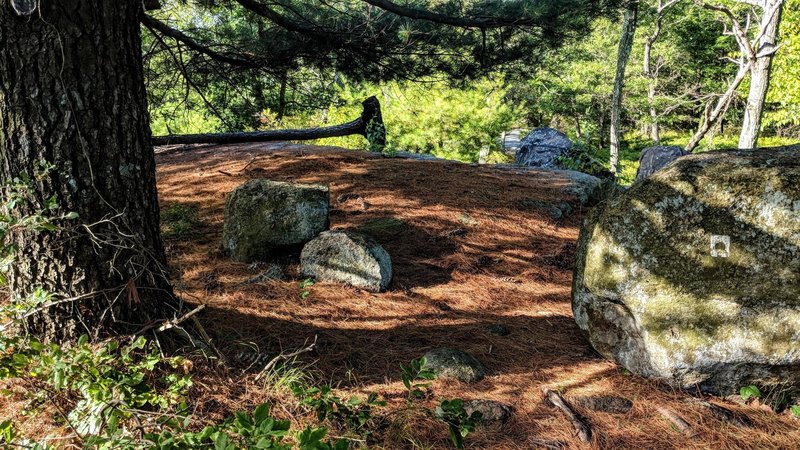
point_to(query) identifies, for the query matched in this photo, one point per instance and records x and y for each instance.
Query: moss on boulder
(693, 275)
(263, 217)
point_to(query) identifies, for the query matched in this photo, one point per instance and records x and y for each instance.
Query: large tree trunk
(72, 94)
(624, 53)
(759, 74)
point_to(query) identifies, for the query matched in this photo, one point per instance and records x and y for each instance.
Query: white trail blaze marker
(720, 246)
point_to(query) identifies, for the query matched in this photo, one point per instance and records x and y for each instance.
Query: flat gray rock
(347, 257)
(453, 363)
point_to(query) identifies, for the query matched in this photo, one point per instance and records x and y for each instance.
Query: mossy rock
(693, 275)
(454, 363)
(264, 217)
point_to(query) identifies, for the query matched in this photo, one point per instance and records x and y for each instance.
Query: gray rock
(491, 411)
(587, 188)
(542, 147)
(693, 275)
(556, 211)
(604, 403)
(347, 257)
(453, 363)
(263, 217)
(653, 159)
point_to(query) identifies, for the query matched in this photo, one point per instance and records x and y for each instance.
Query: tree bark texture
(72, 95)
(760, 73)
(623, 55)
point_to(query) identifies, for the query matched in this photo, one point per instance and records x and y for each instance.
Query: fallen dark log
(370, 125)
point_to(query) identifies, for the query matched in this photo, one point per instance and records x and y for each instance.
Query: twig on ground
(676, 420)
(284, 356)
(207, 338)
(175, 322)
(582, 429)
(252, 160)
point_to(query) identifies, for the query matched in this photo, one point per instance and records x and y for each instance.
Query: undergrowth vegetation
(126, 393)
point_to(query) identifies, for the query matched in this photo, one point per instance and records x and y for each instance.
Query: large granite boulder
(263, 217)
(653, 159)
(347, 257)
(542, 148)
(693, 275)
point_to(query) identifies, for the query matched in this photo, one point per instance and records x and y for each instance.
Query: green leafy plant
(415, 371)
(21, 209)
(795, 410)
(312, 439)
(458, 421)
(305, 292)
(179, 220)
(748, 392)
(376, 136)
(354, 413)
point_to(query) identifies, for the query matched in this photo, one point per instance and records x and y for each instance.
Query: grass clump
(180, 220)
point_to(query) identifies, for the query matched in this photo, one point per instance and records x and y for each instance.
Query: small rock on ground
(453, 363)
(556, 211)
(347, 257)
(491, 411)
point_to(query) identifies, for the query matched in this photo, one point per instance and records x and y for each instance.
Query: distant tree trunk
(72, 94)
(601, 136)
(652, 68)
(282, 96)
(624, 53)
(760, 73)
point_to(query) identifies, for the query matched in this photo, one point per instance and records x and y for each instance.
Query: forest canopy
(556, 68)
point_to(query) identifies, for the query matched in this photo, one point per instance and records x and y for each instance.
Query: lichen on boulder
(347, 257)
(693, 275)
(263, 217)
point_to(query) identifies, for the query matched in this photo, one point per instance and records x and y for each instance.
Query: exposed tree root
(582, 429)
